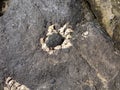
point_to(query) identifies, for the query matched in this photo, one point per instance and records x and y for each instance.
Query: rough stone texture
(4, 6)
(116, 21)
(103, 12)
(90, 64)
(108, 14)
(14, 85)
(54, 40)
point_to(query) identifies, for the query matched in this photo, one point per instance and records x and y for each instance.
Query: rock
(54, 40)
(108, 13)
(91, 62)
(14, 85)
(103, 12)
(4, 6)
(86, 87)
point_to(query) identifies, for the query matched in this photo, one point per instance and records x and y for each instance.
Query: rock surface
(103, 12)
(90, 64)
(4, 4)
(108, 14)
(54, 40)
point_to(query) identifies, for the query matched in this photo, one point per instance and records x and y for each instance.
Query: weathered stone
(116, 22)
(54, 40)
(86, 87)
(102, 9)
(108, 13)
(4, 6)
(91, 60)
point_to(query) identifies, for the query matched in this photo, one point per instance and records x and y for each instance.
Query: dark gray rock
(54, 40)
(90, 63)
